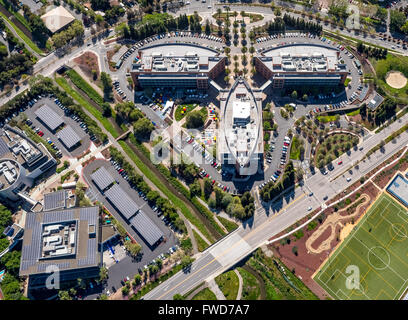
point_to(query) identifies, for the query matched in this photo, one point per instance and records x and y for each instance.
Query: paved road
(276, 218)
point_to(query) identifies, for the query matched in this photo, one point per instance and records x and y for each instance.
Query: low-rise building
(22, 161)
(294, 65)
(177, 65)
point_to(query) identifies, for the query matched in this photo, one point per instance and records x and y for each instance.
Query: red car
(286, 144)
(213, 181)
(41, 133)
(121, 170)
(207, 175)
(225, 188)
(340, 162)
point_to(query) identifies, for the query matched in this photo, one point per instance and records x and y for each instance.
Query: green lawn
(354, 113)
(201, 244)
(205, 294)
(22, 35)
(229, 225)
(377, 248)
(83, 102)
(82, 84)
(250, 285)
(295, 149)
(326, 119)
(178, 115)
(228, 283)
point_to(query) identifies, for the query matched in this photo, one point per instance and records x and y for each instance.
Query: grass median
(22, 35)
(63, 83)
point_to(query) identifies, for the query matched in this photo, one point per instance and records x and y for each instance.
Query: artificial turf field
(378, 246)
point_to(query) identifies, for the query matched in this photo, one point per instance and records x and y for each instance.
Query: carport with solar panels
(69, 137)
(122, 202)
(49, 117)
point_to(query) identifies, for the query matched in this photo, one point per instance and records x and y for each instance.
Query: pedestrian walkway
(212, 285)
(239, 294)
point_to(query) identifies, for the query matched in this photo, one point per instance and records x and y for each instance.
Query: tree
(178, 296)
(194, 120)
(195, 189)
(294, 95)
(138, 279)
(11, 261)
(133, 248)
(186, 261)
(64, 295)
(107, 85)
(143, 127)
(106, 110)
(295, 250)
(103, 274)
(208, 188)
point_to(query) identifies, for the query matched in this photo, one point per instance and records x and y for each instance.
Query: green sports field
(378, 248)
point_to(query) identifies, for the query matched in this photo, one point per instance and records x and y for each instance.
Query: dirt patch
(331, 223)
(88, 62)
(346, 231)
(396, 79)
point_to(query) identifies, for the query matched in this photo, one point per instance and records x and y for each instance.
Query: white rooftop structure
(241, 111)
(57, 18)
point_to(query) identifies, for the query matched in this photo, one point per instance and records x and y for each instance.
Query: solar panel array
(91, 250)
(54, 200)
(32, 242)
(102, 178)
(146, 228)
(49, 117)
(68, 137)
(120, 199)
(4, 149)
(58, 216)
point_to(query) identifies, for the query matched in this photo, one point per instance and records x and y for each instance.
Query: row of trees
(75, 30)
(272, 189)
(281, 24)
(377, 53)
(39, 31)
(160, 23)
(153, 197)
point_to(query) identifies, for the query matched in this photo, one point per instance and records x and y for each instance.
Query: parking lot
(51, 136)
(148, 253)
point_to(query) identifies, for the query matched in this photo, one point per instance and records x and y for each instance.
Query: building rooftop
(16, 150)
(66, 238)
(173, 58)
(49, 117)
(57, 19)
(68, 137)
(121, 200)
(58, 200)
(242, 125)
(102, 178)
(146, 228)
(302, 58)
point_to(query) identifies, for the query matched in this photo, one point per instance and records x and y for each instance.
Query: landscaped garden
(182, 110)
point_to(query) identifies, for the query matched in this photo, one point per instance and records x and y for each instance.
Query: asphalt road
(276, 218)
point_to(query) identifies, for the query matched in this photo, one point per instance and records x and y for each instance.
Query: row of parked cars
(273, 178)
(287, 35)
(198, 148)
(120, 92)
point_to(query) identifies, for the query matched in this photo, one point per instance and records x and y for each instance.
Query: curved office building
(241, 133)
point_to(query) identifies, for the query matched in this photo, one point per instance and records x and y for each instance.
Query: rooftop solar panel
(102, 178)
(3, 148)
(119, 198)
(146, 228)
(68, 137)
(48, 116)
(55, 200)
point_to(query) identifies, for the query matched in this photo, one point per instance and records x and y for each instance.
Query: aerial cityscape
(203, 150)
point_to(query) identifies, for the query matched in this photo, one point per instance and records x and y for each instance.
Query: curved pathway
(239, 294)
(332, 222)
